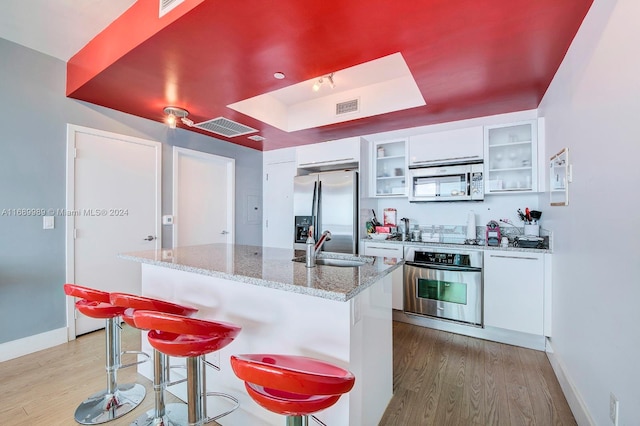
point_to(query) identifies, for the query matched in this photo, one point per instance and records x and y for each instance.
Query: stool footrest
(146, 355)
(176, 382)
(175, 415)
(235, 401)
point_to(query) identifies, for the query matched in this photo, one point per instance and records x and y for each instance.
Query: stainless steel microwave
(461, 182)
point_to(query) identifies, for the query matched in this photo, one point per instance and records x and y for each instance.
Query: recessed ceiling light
(278, 75)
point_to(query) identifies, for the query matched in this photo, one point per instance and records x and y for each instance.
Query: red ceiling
(470, 58)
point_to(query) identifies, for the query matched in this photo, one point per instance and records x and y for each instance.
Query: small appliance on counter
(493, 234)
(390, 217)
(471, 228)
(406, 234)
(529, 241)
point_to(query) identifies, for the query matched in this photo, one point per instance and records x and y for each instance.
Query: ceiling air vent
(347, 107)
(225, 127)
(167, 5)
(256, 138)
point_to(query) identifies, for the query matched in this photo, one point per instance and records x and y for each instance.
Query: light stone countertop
(271, 267)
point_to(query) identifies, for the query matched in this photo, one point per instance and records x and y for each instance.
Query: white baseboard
(31, 344)
(578, 408)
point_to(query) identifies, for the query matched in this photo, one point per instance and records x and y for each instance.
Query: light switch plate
(167, 219)
(48, 222)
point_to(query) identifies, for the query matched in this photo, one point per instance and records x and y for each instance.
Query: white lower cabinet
(390, 252)
(514, 291)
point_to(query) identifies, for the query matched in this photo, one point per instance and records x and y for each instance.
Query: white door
(113, 206)
(203, 198)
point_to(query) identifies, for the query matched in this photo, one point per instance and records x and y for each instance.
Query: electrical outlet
(167, 254)
(614, 406)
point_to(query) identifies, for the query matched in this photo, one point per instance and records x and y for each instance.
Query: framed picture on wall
(559, 178)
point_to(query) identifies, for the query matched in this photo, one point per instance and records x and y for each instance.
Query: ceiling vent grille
(256, 138)
(167, 5)
(348, 107)
(225, 127)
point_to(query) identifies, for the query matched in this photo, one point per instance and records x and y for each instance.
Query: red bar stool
(162, 414)
(180, 336)
(291, 385)
(118, 399)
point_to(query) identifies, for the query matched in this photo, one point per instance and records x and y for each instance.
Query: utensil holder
(532, 229)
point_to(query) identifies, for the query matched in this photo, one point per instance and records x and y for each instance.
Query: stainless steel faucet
(406, 236)
(326, 236)
(313, 248)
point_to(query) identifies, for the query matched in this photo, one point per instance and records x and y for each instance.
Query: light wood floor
(44, 388)
(448, 379)
(439, 379)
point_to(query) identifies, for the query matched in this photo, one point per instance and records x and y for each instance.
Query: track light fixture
(173, 113)
(320, 82)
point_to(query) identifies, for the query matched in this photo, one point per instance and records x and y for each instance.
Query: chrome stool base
(175, 415)
(102, 407)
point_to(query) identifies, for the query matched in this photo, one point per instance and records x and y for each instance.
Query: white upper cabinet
(389, 168)
(452, 146)
(511, 158)
(328, 154)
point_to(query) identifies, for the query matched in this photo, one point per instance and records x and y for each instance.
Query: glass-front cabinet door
(389, 168)
(511, 158)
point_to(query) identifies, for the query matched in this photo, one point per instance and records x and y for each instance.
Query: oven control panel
(438, 258)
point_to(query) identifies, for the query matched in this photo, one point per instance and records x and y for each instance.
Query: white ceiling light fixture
(318, 84)
(173, 113)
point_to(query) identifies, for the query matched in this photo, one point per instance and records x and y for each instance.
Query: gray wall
(34, 112)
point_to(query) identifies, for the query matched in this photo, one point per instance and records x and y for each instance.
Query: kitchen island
(338, 314)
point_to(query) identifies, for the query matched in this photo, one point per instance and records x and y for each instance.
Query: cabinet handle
(326, 162)
(445, 159)
(383, 248)
(513, 257)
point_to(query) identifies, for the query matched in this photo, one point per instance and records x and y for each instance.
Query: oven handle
(455, 268)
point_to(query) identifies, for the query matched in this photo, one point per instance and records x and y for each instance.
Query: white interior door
(203, 198)
(113, 205)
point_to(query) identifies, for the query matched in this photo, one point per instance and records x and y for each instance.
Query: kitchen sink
(344, 263)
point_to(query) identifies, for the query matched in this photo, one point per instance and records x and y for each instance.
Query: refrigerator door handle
(317, 229)
(314, 211)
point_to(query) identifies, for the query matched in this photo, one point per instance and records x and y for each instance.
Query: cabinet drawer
(383, 250)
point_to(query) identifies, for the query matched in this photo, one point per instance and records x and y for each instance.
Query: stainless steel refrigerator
(329, 202)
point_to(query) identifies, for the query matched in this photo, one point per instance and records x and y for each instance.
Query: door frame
(231, 188)
(72, 131)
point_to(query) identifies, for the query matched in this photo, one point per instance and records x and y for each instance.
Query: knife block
(532, 229)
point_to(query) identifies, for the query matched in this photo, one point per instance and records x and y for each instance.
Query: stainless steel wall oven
(444, 283)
